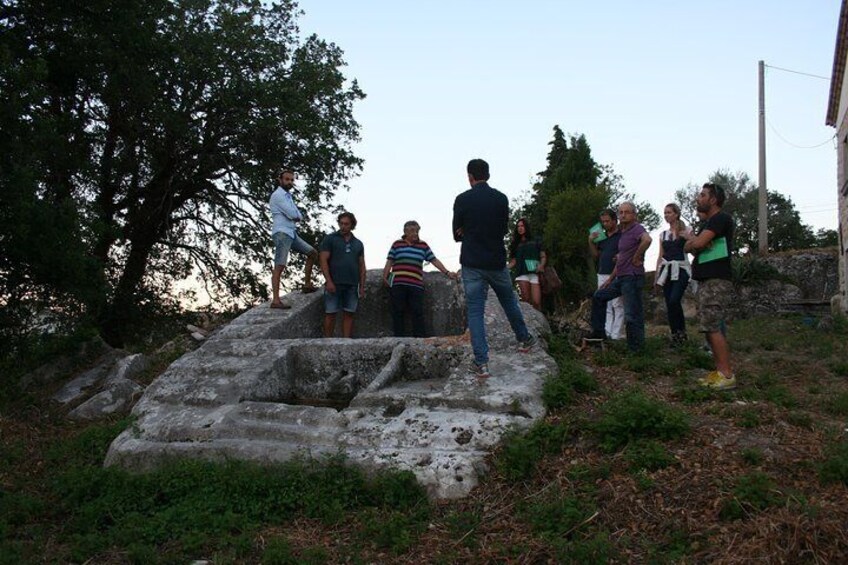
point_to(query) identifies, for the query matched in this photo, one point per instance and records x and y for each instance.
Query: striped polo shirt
(408, 262)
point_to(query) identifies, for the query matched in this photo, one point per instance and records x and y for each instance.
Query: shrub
(633, 415)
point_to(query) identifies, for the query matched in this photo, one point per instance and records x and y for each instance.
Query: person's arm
(644, 243)
(458, 220)
(659, 257)
(438, 264)
(287, 208)
(700, 241)
(362, 275)
(543, 261)
(324, 259)
(593, 247)
(386, 270)
(611, 277)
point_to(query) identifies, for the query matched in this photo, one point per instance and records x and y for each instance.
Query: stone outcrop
(813, 271)
(266, 388)
(109, 383)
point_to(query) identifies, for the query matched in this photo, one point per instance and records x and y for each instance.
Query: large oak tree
(140, 140)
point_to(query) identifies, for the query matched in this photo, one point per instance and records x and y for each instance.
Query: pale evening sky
(665, 92)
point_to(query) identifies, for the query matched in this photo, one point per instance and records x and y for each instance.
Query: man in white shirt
(285, 216)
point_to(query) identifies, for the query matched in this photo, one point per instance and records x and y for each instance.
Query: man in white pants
(604, 247)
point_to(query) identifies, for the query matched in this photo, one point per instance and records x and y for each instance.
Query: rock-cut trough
(267, 388)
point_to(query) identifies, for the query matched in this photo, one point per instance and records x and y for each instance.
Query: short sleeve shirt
(606, 253)
(344, 257)
(722, 226)
(408, 262)
(528, 255)
(627, 246)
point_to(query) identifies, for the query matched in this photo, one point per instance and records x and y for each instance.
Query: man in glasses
(343, 264)
(285, 216)
(627, 280)
(712, 248)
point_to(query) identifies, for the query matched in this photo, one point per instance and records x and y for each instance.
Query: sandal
(308, 288)
(280, 305)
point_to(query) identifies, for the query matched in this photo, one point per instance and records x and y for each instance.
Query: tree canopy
(141, 140)
(565, 202)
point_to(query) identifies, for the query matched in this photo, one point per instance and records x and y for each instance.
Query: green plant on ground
(648, 455)
(556, 515)
(753, 492)
(520, 452)
(579, 550)
(392, 530)
(672, 548)
(633, 415)
(752, 455)
(834, 468)
(839, 368)
(748, 418)
(837, 404)
(800, 420)
(463, 525)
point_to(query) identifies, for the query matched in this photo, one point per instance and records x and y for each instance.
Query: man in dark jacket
(480, 218)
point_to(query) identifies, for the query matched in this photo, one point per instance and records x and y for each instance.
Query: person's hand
(637, 260)
(458, 233)
(330, 286)
(657, 289)
(361, 291)
(386, 282)
(451, 275)
(606, 283)
(593, 236)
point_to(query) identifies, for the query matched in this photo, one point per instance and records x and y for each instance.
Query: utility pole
(762, 212)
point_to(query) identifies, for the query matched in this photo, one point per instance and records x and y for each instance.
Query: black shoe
(597, 335)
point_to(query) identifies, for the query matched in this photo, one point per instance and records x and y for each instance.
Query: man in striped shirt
(404, 275)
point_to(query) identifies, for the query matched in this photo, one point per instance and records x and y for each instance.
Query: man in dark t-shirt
(604, 247)
(712, 248)
(343, 264)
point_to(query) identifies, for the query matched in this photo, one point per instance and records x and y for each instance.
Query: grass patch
(752, 456)
(838, 404)
(753, 492)
(521, 452)
(557, 515)
(834, 469)
(647, 455)
(190, 508)
(633, 415)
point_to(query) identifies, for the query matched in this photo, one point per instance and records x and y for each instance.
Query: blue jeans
(630, 287)
(673, 292)
(476, 283)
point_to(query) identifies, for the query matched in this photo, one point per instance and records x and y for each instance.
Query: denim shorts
(284, 242)
(345, 298)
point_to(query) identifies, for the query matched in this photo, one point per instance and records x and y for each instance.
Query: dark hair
(516, 238)
(609, 212)
(284, 171)
(478, 169)
(717, 191)
(348, 215)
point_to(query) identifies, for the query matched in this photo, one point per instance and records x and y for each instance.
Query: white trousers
(615, 314)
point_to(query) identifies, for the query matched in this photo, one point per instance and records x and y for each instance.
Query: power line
(797, 72)
(786, 141)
